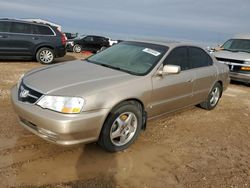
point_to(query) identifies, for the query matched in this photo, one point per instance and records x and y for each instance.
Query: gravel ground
(191, 148)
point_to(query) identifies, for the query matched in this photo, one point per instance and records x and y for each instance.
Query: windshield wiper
(103, 64)
(237, 50)
(230, 50)
(110, 66)
(244, 51)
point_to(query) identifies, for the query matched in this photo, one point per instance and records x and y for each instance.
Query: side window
(20, 28)
(89, 39)
(178, 56)
(4, 26)
(41, 30)
(96, 39)
(199, 58)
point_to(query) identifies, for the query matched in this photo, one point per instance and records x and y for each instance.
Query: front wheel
(45, 56)
(121, 128)
(213, 97)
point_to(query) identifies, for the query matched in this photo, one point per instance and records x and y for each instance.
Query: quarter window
(42, 30)
(199, 58)
(89, 39)
(178, 56)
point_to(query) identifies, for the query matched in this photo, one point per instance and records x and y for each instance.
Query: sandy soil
(192, 148)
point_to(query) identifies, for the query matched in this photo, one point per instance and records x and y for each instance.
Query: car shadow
(96, 167)
(29, 161)
(67, 57)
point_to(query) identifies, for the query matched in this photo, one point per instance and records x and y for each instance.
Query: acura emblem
(24, 93)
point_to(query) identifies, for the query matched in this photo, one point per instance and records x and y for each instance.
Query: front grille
(234, 65)
(229, 60)
(26, 94)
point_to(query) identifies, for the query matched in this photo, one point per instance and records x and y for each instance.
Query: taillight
(63, 37)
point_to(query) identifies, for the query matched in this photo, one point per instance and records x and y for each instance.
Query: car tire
(45, 56)
(213, 97)
(77, 48)
(121, 128)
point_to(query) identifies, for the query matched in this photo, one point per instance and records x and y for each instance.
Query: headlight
(69, 105)
(20, 81)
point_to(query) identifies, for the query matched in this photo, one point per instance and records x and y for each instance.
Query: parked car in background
(236, 54)
(28, 40)
(89, 43)
(109, 96)
(70, 35)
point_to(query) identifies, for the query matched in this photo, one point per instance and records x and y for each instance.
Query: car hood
(242, 56)
(74, 78)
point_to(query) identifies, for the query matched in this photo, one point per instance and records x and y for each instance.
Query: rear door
(173, 91)
(20, 39)
(204, 70)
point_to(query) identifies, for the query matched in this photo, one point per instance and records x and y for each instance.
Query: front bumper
(62, 129)
(236, 73)
(240, 77)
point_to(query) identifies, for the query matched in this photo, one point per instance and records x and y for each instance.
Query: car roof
(242, 36)
(96, 36)
(23, 21)
(168, 43)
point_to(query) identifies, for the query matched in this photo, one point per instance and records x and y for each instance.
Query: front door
(4, 37)
(173, 91)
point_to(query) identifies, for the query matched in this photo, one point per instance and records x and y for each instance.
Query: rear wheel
(213, 97)
(45, 55)
(77, 48)
(121, 128)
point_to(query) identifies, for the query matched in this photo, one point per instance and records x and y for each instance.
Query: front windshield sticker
(151, 51)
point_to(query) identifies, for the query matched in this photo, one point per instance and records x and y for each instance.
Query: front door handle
(190, 80)
(35, 38)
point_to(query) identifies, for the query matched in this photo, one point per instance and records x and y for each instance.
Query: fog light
(245, 68)
(47, 133)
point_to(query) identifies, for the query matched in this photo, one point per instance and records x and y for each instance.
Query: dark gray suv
(30, 40)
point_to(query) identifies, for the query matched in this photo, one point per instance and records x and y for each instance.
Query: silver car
(236, 54)
(109, 96)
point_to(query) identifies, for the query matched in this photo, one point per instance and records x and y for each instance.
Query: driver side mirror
(170, 69)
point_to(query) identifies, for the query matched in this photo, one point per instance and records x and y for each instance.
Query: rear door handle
(35, 38)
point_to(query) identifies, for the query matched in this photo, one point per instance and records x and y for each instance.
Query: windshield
(132, 57)
(237, 45)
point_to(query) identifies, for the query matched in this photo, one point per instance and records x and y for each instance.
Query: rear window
(20, 28)
(42, 30)
(4, 26)
(199, 58)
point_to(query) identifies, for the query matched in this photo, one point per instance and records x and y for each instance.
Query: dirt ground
(192, 148)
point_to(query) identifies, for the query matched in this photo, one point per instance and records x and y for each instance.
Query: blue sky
(207, 22)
